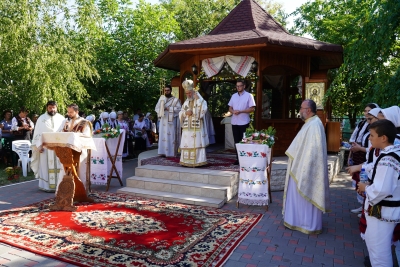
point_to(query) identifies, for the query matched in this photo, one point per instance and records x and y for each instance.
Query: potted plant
(13, 172)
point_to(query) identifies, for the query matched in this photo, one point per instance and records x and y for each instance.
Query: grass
(4, 177)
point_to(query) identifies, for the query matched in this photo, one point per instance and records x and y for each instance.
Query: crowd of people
(186, 129)
(375, 150)
(22, 127)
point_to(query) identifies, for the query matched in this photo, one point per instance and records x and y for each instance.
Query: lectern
(68, 148)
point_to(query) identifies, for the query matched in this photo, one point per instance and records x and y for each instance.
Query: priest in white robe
(194, 135)
(169, 135)
(77, 124)
(44, 162)
(306, 194)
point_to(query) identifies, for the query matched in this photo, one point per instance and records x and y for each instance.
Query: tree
(132, 39)
(43, 54)
(368, 31)
(197, 18)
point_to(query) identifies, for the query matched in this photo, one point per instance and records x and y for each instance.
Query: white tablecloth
(253, 181)
(75, 141)
(100, 163)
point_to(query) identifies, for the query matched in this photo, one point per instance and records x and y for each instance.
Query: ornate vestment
(307, 171)
(46, 165)
(169, 128)
(194, 135)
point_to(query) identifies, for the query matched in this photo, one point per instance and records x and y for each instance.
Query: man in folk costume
(167, 109)
(306, 194)
(44, 162)
(194, 134)
(77, 124)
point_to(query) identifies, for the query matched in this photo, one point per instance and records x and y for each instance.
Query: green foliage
(125, 57)
(368, 30)
(43, 55)
(197, 18)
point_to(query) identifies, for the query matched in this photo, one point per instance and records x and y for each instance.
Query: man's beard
(190, 98)
(168, 95)
(52, 113)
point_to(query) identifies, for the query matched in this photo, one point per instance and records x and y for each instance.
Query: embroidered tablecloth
(100, 162)
(253, 181)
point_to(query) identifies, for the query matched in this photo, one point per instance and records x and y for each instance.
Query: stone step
(182, 187)
(223, 178)
(173, 197)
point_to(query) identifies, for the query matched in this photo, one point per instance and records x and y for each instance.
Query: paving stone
(232, 263)
(269, 244)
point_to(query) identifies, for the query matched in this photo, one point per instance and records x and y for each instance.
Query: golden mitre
(188, 85)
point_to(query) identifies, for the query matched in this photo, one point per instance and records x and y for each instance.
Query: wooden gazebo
(290, 68)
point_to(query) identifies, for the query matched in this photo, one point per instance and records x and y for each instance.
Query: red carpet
(220, 162)
(121, 230)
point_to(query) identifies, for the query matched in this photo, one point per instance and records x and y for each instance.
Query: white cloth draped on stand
(253, 181)
(239, 64)
(100, 162)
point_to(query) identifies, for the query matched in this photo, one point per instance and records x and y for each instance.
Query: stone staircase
(183, 185)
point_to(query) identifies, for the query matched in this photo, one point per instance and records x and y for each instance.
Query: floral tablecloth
(100, 163)
(253, 181)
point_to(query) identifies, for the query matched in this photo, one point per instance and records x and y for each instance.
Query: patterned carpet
(121, 230)
(216, 161)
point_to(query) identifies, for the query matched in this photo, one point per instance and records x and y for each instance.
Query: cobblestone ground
(268, 244)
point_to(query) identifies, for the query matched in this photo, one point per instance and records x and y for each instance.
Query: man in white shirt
(241, 105)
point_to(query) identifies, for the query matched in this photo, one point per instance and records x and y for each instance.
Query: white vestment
(307, 179)
(169, 127)
(194, 135)
(86, 130)
(46, 165)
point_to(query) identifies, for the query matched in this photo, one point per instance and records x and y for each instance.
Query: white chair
(22, 148)
(29, 164)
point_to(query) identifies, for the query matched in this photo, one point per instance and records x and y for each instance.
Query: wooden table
(106, 162)
(68, 147)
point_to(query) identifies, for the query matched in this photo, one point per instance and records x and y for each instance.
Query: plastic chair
(29, 164)
(22, 148)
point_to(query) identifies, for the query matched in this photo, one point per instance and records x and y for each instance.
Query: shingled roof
(247, 24)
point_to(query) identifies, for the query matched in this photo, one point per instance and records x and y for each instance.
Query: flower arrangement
(108, 132)
(13, 172)
(265, 136)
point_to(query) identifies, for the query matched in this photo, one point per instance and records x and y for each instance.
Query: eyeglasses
(303, 108)
(239, 86)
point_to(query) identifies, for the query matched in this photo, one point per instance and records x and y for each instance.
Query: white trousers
(378, 238)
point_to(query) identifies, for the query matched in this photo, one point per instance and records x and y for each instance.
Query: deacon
(306, 194)
(44, 162)
(77, 124)
(167, 109)
(194, 135)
